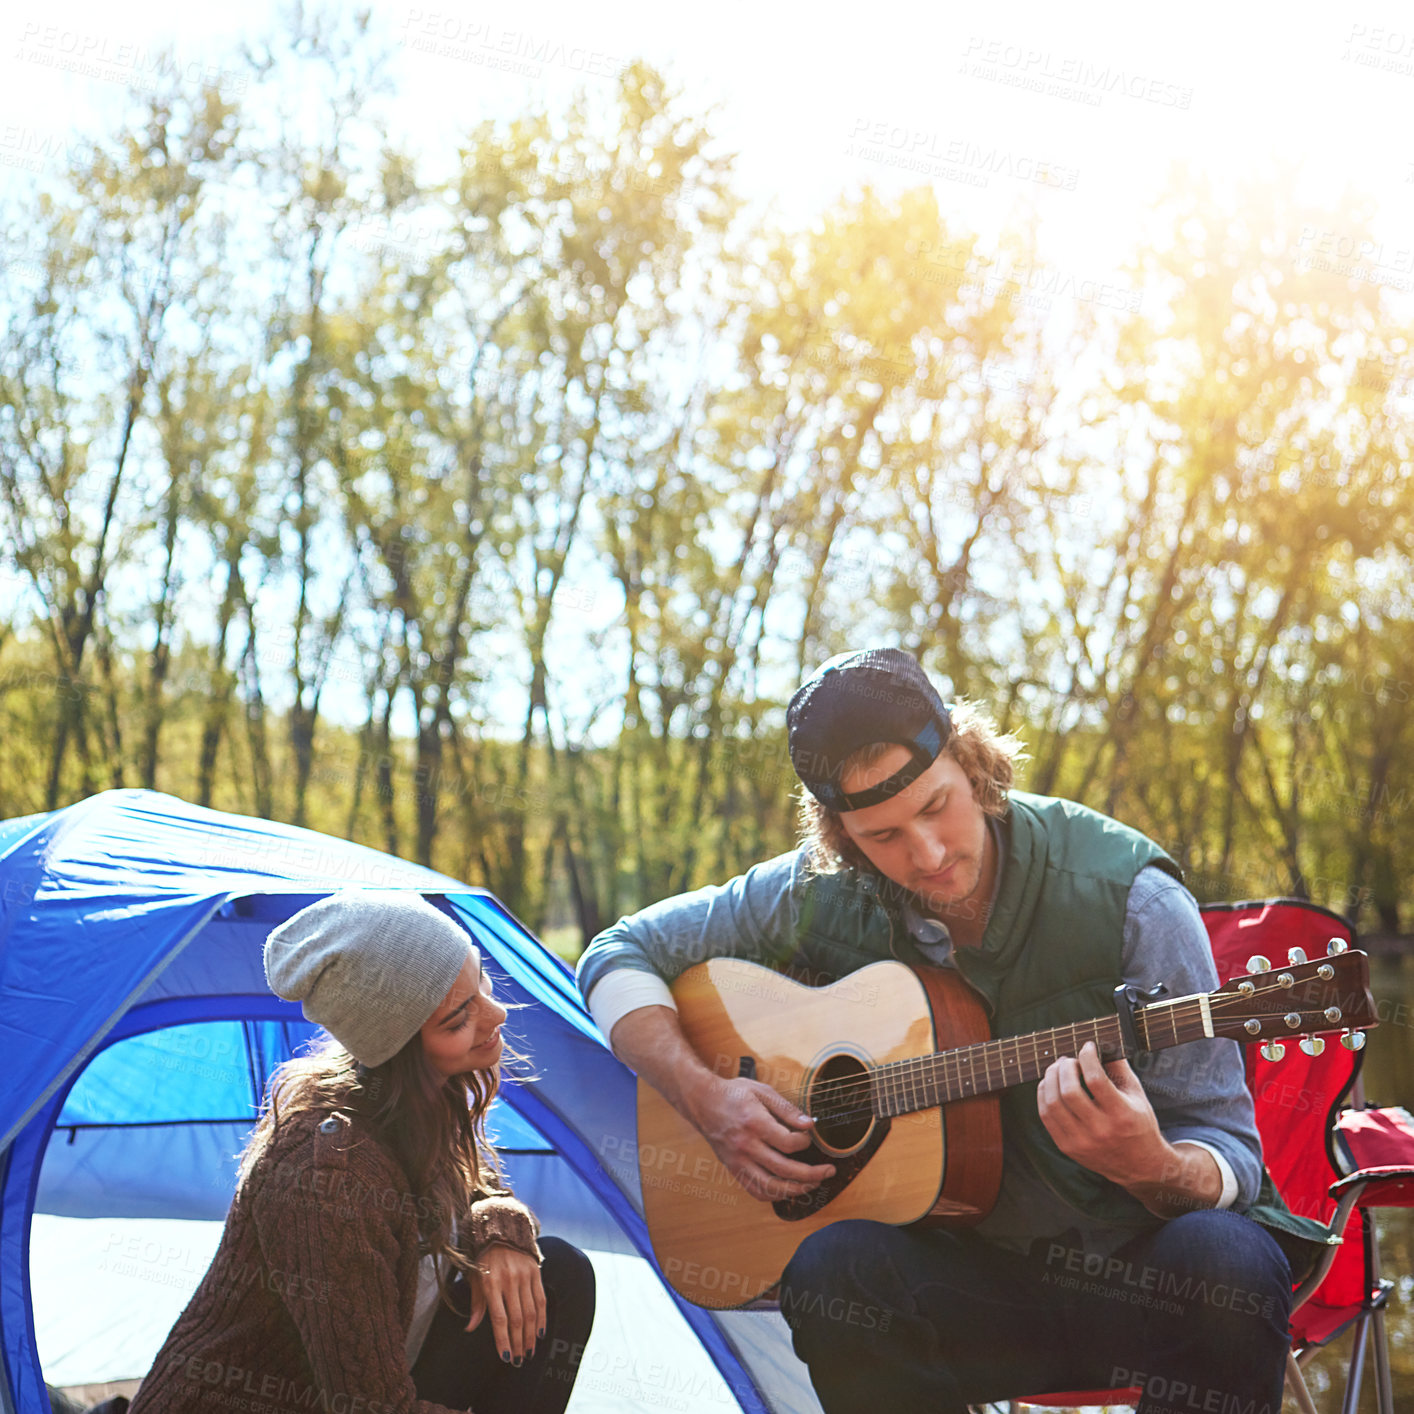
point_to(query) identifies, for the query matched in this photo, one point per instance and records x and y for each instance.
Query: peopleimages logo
(256, 1390)
(32, 150)
(1374, 47)
(454, 36)
(952, 158)
(104, 56)
(1067, 76)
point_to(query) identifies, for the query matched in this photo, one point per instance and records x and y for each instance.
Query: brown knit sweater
(307, 1301)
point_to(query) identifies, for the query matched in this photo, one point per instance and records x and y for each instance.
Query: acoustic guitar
(895, 1064)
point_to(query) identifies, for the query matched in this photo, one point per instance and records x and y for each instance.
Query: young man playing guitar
(1115, 1251)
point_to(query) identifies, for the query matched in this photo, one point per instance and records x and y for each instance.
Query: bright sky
(1077, 109)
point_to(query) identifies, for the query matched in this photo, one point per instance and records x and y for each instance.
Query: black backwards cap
(855, 700)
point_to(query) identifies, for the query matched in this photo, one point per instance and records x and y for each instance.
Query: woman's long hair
(434, 1127)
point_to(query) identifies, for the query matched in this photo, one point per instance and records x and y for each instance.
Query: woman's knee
(568, 1276)
(560, 1257)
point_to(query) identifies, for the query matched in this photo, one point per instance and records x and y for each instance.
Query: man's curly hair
(988, 758)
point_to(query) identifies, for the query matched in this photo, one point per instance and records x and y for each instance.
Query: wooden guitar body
(895, 1065)
(720, 1247)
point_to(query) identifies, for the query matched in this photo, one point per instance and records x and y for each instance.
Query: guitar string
(914, 1071)
(911, 1071)
(853, 1098)
(990, 1053)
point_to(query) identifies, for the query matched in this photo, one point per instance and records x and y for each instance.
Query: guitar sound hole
(839, 1100)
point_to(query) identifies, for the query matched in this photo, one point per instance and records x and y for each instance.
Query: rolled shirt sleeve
(1229, 1194)
(624, 990)
(752, 916)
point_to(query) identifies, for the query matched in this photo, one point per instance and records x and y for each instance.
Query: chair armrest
(1389, 1187)
(1378, 1146)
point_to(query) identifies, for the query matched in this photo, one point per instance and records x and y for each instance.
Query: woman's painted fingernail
(505, 1355)
(519, 1361)
(540, 1334)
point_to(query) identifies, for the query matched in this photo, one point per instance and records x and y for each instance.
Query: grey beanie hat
(368, 966)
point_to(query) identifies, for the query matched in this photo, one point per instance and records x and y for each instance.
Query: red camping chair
(1299, 1101)
(1329, 1163)
(1376, 1146)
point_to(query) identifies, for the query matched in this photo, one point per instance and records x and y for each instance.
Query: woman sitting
(373, 1262)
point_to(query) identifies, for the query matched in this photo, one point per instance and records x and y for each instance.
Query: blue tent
(137, 1032)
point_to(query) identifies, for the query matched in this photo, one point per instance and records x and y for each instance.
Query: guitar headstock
(1301, 999)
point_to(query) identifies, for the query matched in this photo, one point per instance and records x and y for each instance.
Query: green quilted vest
(1050, 955)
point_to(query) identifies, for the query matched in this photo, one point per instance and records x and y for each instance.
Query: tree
(78, 369)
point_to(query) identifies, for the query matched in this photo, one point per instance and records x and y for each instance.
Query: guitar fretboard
(921, 1082)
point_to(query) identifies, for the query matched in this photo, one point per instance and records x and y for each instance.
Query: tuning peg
(1353, 1040)
(1332, 1014)
(1293, 1020)
(1312, 1045)
(1336, 946)
(1295, 955)
(1258, 963)
(1273, 1051)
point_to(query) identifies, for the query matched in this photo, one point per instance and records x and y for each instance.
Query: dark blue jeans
(908, 1319)
(462, 1369)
